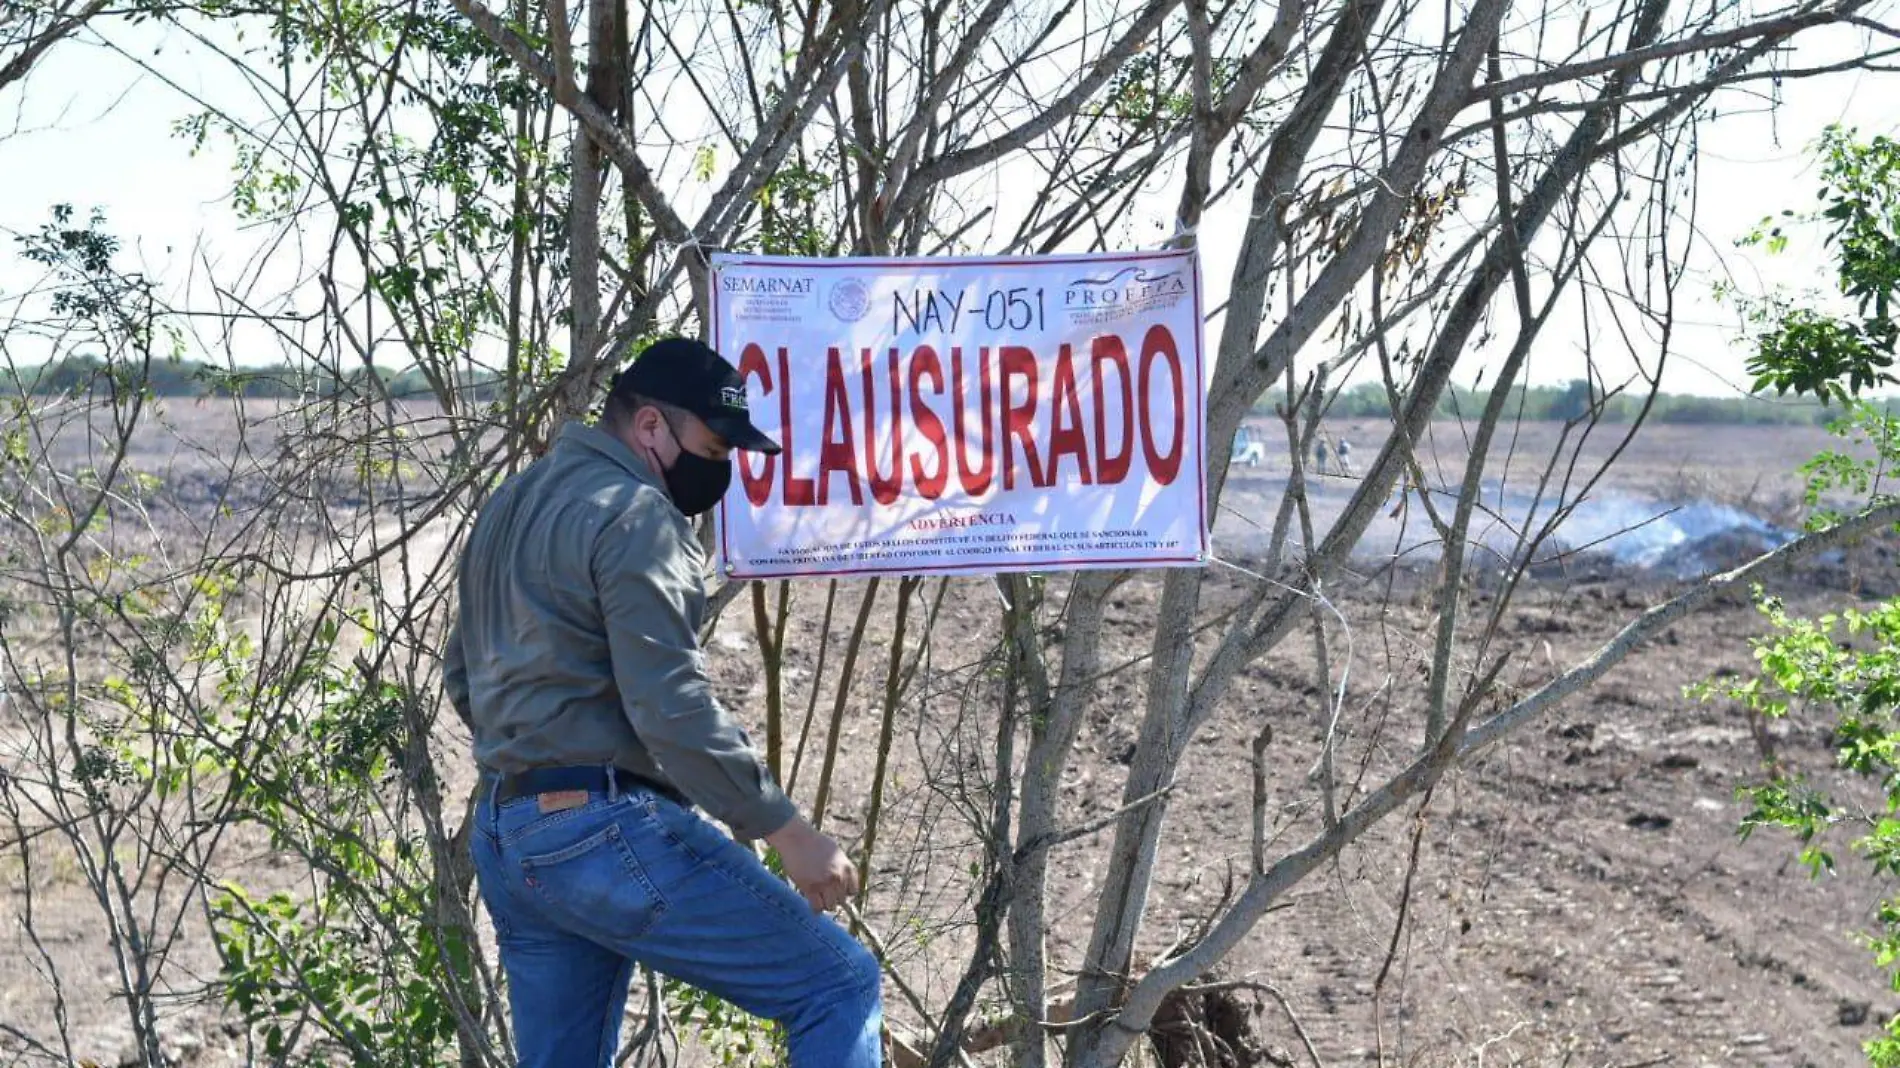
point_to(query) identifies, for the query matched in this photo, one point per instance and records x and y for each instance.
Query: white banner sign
(965, 415)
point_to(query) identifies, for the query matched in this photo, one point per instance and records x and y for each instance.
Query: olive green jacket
(576, 640)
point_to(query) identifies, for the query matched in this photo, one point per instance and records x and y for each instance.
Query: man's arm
(651, 598)
(455, 673)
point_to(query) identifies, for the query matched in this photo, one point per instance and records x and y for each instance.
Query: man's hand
(815, 864)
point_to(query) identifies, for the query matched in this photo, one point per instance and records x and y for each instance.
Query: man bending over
(575, 660)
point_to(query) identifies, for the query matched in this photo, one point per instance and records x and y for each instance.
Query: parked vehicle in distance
(1249, 448)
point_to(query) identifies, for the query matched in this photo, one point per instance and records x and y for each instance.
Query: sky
(95, 128)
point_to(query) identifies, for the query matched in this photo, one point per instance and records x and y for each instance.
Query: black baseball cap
(688, 374)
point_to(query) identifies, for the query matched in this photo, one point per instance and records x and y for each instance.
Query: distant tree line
(1578, 399)
(190, 378)
(1574, 400)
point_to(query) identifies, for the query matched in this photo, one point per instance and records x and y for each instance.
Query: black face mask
(695, 483)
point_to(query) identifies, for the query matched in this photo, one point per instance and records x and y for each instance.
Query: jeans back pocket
(596, 888)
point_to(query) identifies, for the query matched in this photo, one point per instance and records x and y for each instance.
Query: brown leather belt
(591, 777)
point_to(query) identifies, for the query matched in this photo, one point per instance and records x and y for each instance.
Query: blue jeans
(579, 895)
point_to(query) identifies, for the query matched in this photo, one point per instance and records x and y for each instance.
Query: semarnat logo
(850, 299)
(768, 286)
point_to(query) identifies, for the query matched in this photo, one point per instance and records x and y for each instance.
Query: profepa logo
(1128, 286)
(850, 299)
(733, 397)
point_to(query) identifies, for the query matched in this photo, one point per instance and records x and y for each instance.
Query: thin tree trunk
(839, 702)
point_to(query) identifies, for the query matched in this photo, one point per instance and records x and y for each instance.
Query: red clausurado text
(985, 417)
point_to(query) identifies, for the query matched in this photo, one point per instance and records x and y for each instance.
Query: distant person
(1321, 454)
(1344, 455)
(575, 660)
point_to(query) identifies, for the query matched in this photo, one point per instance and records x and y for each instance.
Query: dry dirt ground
(1581, 896)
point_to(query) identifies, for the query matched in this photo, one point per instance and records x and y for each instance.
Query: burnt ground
(1581, 895)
